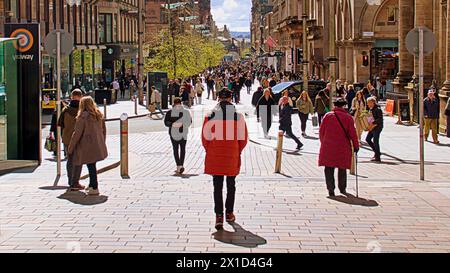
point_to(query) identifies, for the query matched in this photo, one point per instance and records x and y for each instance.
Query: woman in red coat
(337, 132)
(224, 137)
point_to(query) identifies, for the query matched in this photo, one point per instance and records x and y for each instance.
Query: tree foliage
(193, 53)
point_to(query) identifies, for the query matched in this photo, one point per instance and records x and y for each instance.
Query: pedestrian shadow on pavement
(80, 198)
(240, 237)
(53, 188)
(185, 176)
(353, 200)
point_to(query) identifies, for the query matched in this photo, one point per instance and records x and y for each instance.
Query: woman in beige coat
(88, 145)
(359, 105)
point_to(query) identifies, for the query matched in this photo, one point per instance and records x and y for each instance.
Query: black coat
(267, 104)
(285, 116)
(377, 114)
(256, 96)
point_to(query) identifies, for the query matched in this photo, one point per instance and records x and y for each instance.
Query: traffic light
(365, 60)
(299, 55)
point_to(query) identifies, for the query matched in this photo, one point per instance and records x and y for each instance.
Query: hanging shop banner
(28, 53)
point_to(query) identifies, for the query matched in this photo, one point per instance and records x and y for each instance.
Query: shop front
(118, 61)
(384, 62)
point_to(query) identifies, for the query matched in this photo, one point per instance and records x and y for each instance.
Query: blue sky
(233, 13)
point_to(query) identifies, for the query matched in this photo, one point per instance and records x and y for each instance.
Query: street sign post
(420, 42)
(58, 43)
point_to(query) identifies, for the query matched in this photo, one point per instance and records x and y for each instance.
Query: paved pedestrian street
(155, 211)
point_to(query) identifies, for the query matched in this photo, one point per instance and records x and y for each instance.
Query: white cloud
(233, 13)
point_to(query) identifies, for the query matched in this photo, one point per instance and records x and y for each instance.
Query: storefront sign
(368, 34)
(28, 52)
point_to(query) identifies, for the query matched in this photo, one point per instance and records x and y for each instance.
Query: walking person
(199, 91)
(66, 121)
(156, 99)
(219, 85)
(224, 137)
(373, 137)
(358, 107)
(349, 96)
(337, 135)
(305, 108)
(122, 87)
(248, 84)
(286, 121)
(116, 86)
(264, 111)
(184, 94)
(257, 95)
(321, 105)
(178, 119)
(431, 116)
(132, 89)
(88, 143)
(210, 86)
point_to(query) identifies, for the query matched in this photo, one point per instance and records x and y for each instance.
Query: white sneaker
(91, 191)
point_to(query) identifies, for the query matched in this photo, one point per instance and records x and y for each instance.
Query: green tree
(193, 53)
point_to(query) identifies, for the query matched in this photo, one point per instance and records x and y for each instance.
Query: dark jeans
(93, 183)
(342, 179)
(122, 93)
(179, 151)
(289, 132)
(373, 139)
(70, 167)
(303, 120)
(249, 89)
(218, 198)
(320, 117)
(237, 97)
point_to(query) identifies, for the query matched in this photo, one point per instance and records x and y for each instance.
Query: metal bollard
(279, 152)
(135, 105)
(124, 146)
(104, 107)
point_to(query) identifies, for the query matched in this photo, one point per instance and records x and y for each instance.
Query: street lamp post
(140, 52)
(305, 60)
(332, 59)
(58, 93)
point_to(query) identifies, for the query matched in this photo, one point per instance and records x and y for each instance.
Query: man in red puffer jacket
(224, 137)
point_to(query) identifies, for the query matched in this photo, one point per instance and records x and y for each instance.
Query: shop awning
(386, 43)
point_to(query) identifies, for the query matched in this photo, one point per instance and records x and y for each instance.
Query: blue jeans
(373, 139)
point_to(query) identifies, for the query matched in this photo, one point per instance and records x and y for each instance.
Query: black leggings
(179, 151)
(218, 198)
(342, 179)
(303, 120)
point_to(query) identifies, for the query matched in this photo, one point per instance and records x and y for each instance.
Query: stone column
(445, 91)
(342, 62)
(406, 60)
(349, 62)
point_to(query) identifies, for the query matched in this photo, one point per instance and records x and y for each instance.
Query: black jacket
(377, 114)
(178, 114)
(267, 104)
(285, 116)
(431, 108)
(256, 96)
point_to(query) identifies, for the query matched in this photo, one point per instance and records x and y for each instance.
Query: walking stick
(356, 170)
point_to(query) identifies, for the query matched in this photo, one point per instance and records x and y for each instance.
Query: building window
(105, 29)
(392, 14)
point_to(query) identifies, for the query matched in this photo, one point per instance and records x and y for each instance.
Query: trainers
(231, 218)
(219, 222)
(299, 147)
(92, 191)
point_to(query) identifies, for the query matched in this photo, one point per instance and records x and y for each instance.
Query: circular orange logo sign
(25, 41)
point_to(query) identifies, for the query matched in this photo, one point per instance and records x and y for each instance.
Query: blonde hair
(307, 95)
(88, 105)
